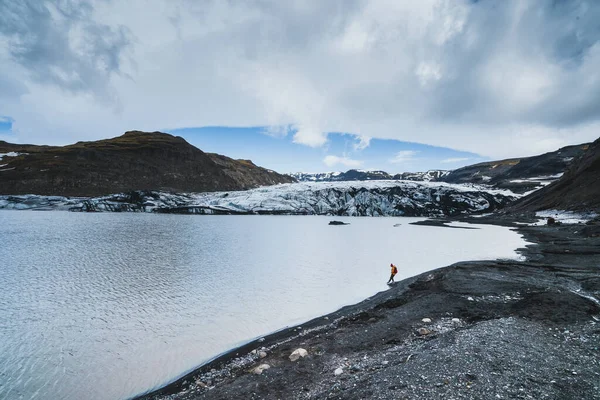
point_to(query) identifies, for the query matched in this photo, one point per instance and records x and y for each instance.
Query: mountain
(366, 198)
(134, 161)
(361, 175)
(577, 190)
(519, 174)
(427, 176)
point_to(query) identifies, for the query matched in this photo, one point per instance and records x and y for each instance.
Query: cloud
(363, 142)
(277, 131)
(496, 78)
(454, 160)
(404, 156)
(59, 43)
(332, 161)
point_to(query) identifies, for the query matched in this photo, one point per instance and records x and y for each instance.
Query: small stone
(455, 320)
(262, 354)
(385, 362)
(470, 298)
(262, 339)
(426, 320)
(574, 373)
(298, 353)
(259, 370)
(338, 372)
(423, 331)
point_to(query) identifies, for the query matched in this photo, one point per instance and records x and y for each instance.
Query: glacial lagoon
(110, 305)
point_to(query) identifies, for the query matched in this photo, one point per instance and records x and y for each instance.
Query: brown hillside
(134, 161)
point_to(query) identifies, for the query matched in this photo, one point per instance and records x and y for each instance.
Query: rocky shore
(473, 330)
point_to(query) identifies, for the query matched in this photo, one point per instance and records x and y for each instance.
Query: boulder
(298, 353)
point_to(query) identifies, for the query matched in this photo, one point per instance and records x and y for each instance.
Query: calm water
(106, 306)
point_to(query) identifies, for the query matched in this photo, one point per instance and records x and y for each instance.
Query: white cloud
(332, 161)
(363, 142)
(277, 131)
(404, 156)
(454, 160)
(501, 79)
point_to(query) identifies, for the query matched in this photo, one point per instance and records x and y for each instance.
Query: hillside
(518, 174)
(134, 161)
(577, 190)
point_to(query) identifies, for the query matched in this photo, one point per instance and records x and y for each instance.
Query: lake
(110, 305)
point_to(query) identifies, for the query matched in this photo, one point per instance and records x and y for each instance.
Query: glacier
(347, 198)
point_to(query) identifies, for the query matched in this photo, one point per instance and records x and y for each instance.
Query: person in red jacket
(394, 272)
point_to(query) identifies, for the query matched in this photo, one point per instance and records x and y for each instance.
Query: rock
(337, 223)
(201, 384)
(551, 221)
(338, 372)
(262, 354)
(426, 320)
(455, 320)
(298, 353)
(423, 331)
(470, 298)
(259, 370)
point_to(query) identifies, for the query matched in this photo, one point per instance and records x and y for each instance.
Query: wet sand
(475, 330)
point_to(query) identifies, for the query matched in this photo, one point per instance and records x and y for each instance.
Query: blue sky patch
(342, 151)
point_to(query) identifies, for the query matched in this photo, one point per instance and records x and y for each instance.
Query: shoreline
(560, 250)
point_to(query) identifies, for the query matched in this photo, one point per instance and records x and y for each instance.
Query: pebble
(338, 372)
(259, 370)
(262, 354)
(298, 353)
(426, 320)
(423, 331)
(470, 298)
(455, 320)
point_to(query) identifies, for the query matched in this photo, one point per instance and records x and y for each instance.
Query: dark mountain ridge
(134, 161)
(577, 190)
(502, 174)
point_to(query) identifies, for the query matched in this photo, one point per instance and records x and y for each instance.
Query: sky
(307, 85)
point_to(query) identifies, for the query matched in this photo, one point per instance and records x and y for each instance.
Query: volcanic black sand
(475, 330)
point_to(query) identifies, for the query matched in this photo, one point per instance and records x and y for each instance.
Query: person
(394, 272)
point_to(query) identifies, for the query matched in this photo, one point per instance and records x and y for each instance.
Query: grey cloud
(472, 75)
(562, 36)
(58, 42)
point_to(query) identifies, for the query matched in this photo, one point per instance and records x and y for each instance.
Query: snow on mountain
(428, 176)
(360, 198)
(318, 177)
(365, 175)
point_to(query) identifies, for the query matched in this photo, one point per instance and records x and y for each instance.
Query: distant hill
(577, 190)
(518, 174)
(361, 175)
(134, 161)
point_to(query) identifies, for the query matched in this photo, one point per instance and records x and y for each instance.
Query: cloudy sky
(307, 85)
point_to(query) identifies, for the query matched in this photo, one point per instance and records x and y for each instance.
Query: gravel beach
(473, 330)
